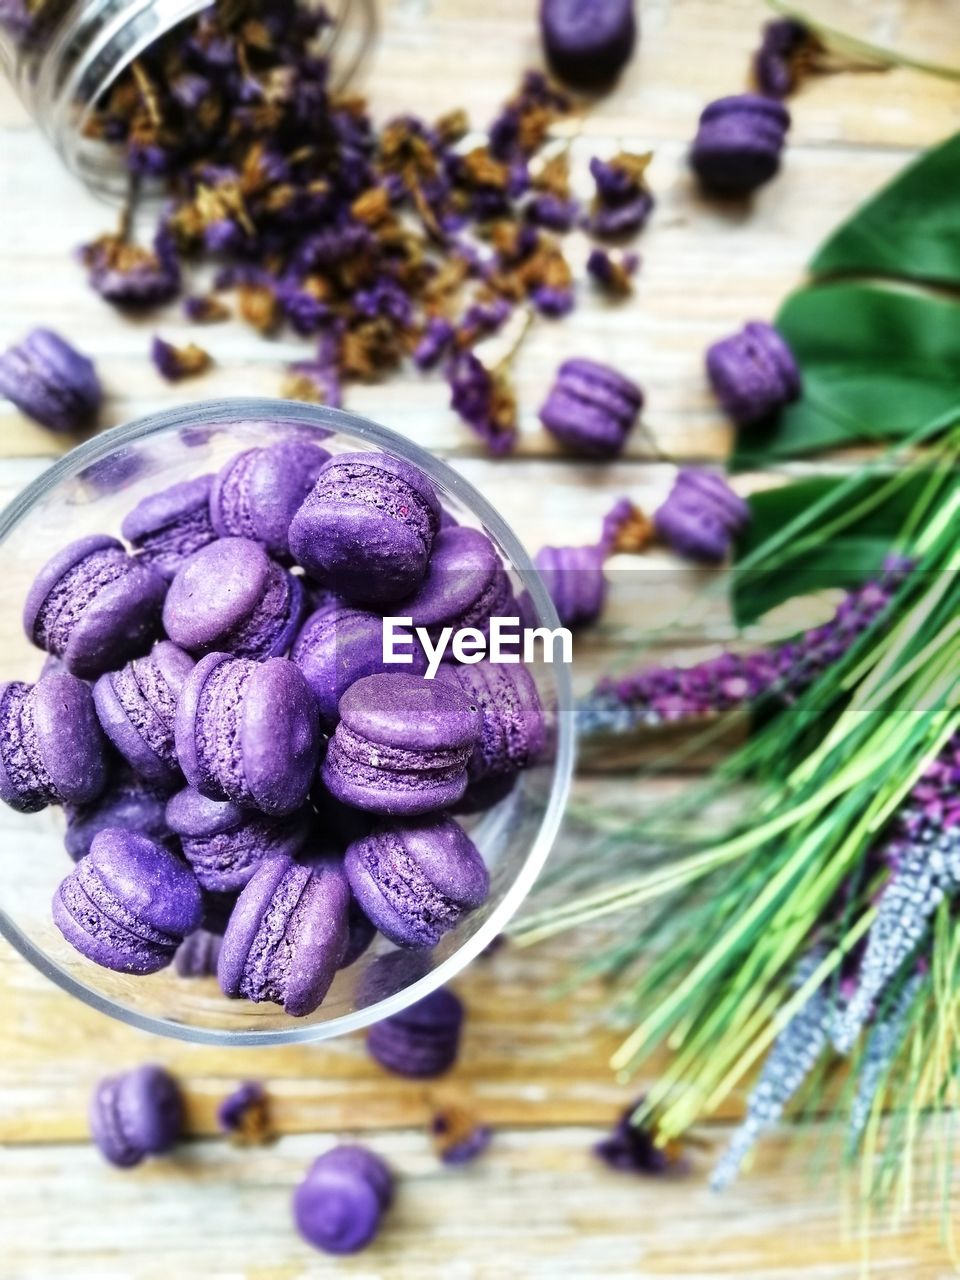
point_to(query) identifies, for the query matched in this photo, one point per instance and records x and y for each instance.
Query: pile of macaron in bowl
(233, 755)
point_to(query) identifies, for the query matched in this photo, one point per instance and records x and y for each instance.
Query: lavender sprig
(926, 867)
(881, 1049)
(791, 1059)
(666, 695)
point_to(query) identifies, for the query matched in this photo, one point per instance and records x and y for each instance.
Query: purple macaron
(513, 731)
(230, 597)
(225, 844)
(51, 382)
(94, 606)
(339, 1205)
(367, 527)
(753, 373)
(417, 881)
(136, 706)
(591, 408)
(287, 936)
(248, 732)
(422, 1040)
(576, 582)
(52, 750)
(338, 645)
(198, 955)
(127, 803)
(128, 904)
(587, 42)
(465, 585)
(257, 493)
(166, 528)
(739, 142)
(701, 516)
(135, 1115)
(402, 745)
(360, 931)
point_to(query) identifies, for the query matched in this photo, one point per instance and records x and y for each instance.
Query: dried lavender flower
(457, 1136)
(623, 202)
(485, 401)
(791, 1059)
(613, 272)
(51, 382)
(176, 363)
(631, 1147)
(245, 1115)
(205, 309)
(785, 45)
(130, 275)
(925, 866)
(657, 695)
(881, 1049)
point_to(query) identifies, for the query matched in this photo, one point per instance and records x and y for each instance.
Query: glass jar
(90, 490)
(63, 55)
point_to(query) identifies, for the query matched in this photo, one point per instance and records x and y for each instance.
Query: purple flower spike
(739, 142)
(753, 373)
(51, 382)
(701, 517)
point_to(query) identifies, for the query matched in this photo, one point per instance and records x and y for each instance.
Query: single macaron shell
(339, 1205)
(94, 606)
(417, 881)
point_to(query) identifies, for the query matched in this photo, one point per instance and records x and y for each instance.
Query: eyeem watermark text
(504, 641)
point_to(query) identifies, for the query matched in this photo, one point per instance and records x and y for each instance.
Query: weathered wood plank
(537, 1205)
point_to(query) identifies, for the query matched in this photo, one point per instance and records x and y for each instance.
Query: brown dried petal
(554, 176)
(635, 533)
(259, 307)
(482, 170)
(372, 206)
(452, 126)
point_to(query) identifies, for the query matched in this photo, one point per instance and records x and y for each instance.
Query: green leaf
(845, 560)
(910, 229)
(877, 362)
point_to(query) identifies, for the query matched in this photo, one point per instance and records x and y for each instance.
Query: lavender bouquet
(819, 923)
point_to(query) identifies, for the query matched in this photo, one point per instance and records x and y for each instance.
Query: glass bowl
(89, 491)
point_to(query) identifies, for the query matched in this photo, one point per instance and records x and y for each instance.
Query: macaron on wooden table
(535, 1068)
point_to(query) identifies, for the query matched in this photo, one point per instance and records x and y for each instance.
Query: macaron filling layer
(218, 728)
(20, 748)
(234, 508)
(73, 593)
(272, 957)
(353, 483)
(149, 704)
(166, 548)
(268, 629)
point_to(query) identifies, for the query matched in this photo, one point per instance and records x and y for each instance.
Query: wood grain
(536, 1067)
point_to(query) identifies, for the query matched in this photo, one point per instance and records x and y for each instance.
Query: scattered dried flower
(175, 363)
(245, 1115)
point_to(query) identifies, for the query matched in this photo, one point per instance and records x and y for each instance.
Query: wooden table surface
(535, 1068)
